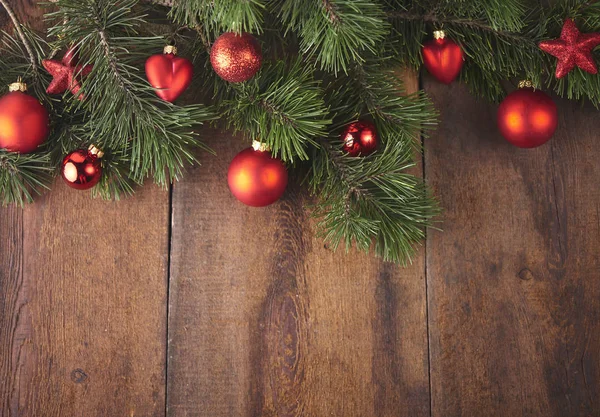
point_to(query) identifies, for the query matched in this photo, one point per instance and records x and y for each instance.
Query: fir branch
(283, 107)
(17, 26)
(22, 176)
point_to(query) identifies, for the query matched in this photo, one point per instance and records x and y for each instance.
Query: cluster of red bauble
(526, 118)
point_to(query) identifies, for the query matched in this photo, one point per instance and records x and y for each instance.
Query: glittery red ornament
(256, 178)
(360, 138)
(573, 48)
(24, 121)
(236, 58)
(169, 73)
(527, 118)
(82, 169)
(67, 74)
(443, 57)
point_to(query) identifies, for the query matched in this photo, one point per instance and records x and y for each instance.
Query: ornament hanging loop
(526, 84)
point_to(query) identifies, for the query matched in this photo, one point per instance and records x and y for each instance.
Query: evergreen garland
(327, 63)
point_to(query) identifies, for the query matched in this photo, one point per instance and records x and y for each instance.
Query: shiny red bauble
(360, 138)
(443, 58)
(24, 122)
(236, 58)
(82, 169)
(527, 118)
(169, 74)
(256, 178)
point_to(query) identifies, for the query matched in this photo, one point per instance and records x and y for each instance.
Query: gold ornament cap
(259, 146)
(95, 151)
(19, 85)
(439, 34)
(170, 49)
(526, 84)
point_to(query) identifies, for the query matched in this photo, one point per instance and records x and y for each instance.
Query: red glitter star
(67, 74)
(573, 48)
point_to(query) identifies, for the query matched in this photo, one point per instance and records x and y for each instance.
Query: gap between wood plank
(425, 265)
(169, 257)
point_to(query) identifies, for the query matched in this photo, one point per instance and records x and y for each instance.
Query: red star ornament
(67, 74)
(573, 48)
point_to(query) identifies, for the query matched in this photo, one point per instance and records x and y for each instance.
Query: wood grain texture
(83, 289)
(513, 279)
(84, 306)
(265, 320)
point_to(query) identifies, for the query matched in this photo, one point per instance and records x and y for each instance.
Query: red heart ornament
(169, 74)
(443, 58)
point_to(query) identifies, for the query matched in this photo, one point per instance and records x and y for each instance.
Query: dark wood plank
(84, 306)
(513, 279)
(265, 320)
(83, 300)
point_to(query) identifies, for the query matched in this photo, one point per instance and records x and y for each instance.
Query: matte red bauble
(527, 118)
(24, 122)
(443, 58)
(256, 178)
(82, 169)
(236, 58)
(169, 74)
(360, 138)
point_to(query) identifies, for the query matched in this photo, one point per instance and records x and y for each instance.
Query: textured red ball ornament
(236, 58)
(360, 138)
(256, 178)
(527, 118)
(24, 122)
(82, 169)
(169, 73)
(443, 57)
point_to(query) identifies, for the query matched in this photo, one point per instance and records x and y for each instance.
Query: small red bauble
(236, 58)
(443, 58)
(360, 138)
(527, 118)
(82, 169)
(256, 178)
(67, 74)
(169, 73)
(24, 121)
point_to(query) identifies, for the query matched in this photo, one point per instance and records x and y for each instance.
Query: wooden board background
(190, 304)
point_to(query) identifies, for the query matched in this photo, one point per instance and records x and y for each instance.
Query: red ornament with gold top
(169, 74)
(360, 138)
(256, 178)
(443, 57)
(82, 169)
(527, 118)
(236, 58)
(24, 121)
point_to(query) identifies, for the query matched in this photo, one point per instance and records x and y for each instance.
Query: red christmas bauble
(169, 73)
(527, 118)
(236, 58)
(443, 58)
(256, 178)
(82, 169)
(360, 138)
(24, 121)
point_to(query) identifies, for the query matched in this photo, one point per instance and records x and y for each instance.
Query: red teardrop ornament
(443, 58)
(169, 74)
